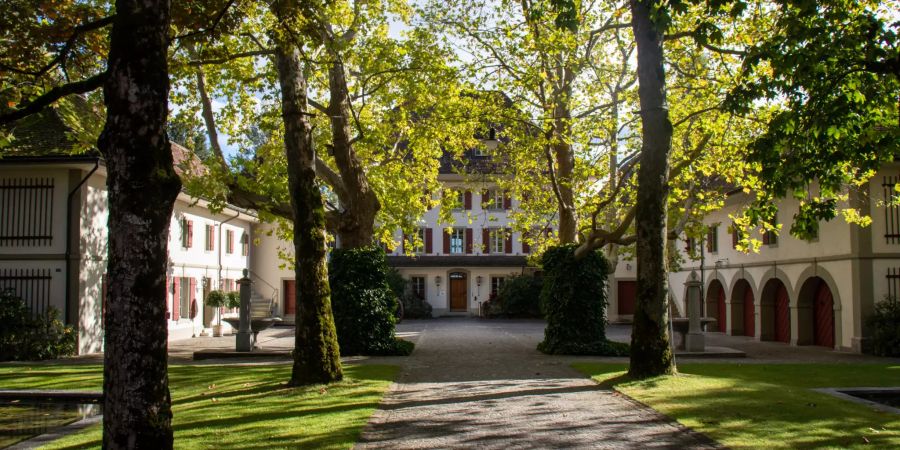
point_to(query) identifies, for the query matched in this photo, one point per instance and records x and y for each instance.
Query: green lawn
(766, 405)
(239, 407)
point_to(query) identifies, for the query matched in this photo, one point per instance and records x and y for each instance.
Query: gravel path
(482, 384)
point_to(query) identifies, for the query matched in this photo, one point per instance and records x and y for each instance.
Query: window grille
(27, 212)
(31, 285)
(893, 282)
(891, 210)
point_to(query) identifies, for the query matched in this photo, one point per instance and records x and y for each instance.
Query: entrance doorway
(459, 291)
(290, 297)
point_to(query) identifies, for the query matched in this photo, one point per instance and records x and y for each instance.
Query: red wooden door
(720, 302)
(823, 312)
(626, 295)
(782, 316)
(749, 313)
(458, 291)
(290, 297)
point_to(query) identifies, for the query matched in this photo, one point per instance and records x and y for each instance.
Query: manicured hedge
(573, 300)
(363, 303)
(520, 296)
(885, 328)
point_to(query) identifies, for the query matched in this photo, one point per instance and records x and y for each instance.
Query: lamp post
(243, 340)
(695, 341)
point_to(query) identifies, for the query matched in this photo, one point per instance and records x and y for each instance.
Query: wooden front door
(626, 295)
(458, 291)
(823, 312)
(782, 316)
(290, 297)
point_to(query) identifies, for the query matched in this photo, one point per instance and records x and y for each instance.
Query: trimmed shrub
(363, 303)
(24, 337)
(573, 300)
(520, 296)
(884, 324)
(415, 307)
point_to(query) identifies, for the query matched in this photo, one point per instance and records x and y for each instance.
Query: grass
(766, 405)
(236, 407)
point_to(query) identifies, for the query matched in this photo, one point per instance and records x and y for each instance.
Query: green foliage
(520, 296)
(413, 306)
(573, 300)
(233, 299)
(884, 324)
(363, 303)
(216, 299)
(24, 337)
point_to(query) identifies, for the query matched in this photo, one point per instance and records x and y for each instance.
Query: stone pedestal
(244, 338)
(695, 340)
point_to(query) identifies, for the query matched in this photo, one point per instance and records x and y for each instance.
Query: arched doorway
(774, 312)
(815, 311)
(715, 304)
(743, 312)
(459, 291)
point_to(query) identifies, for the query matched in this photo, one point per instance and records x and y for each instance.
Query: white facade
(456, 272)
(42, 198)
(794, 291)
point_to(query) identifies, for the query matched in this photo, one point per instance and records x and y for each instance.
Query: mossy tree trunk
(651, 353)
(316, 353)
(142, 190)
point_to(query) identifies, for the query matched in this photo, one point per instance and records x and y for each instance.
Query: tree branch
(230, 57)
(38, 104)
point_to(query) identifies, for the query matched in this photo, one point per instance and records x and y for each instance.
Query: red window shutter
(229, 241)
(210, 237)
(734, 238)
(709, 241)
(485, 198)
(176, 299)
(468, 200)
(525, 247)
(403, 243)
(428, 243)
(508, 243)
(507, 200)
(486, 240)
(765, 238)
(190, 233)
(468, 240)
(193, 291)
(446, 242)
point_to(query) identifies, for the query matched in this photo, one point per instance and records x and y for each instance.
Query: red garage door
(782, 316)
(749, 314)
(823, 311)
(626, 296)
(290, 297)
(721, 304)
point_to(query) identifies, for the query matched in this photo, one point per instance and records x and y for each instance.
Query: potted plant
(216, 299)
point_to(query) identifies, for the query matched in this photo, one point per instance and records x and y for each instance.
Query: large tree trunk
(650, 351)
(316, 353)
(565, 167)
(360, 204)
(142, 189)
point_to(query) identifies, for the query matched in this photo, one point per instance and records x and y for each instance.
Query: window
(493, 199)
(690, 245)
(184, 302)
(210, 238)
(770, 238)
(712, 239)
(417, 242)
(735, 236)
(457, 240)
(418, 286)
(497, 241)
(245, 244)
(229, 241)
(228, 284)
(496, 285)
(187, 233)
(891, 210)
(27, 211)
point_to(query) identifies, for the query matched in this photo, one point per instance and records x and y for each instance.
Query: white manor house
(53, 253)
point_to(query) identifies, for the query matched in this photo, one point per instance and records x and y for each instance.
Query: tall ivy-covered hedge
(363, 303)
(573, 300)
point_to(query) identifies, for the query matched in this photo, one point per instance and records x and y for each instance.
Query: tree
(831, 72)
(317, 358)
(137, 405)
(650, 350)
